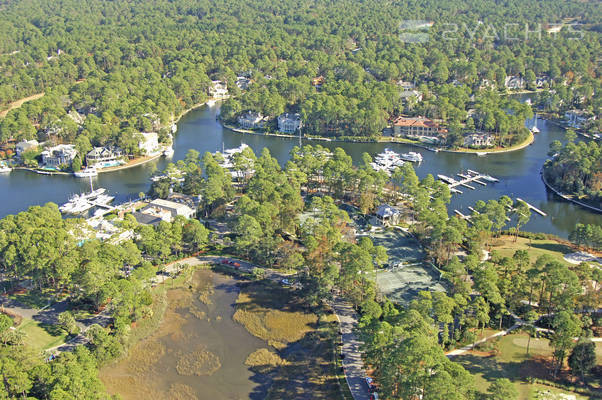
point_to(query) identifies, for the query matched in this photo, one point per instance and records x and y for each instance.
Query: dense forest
(116, 63)
(576, 169)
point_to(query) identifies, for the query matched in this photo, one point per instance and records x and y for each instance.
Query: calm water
(518, 172)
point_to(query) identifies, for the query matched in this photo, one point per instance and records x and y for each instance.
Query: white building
(479, 140)
(63, 154)
(167, 210)
(577, 118)
(388, 215)
(514, 82)
(218, 89)
(148, 142)
(405, 85)
(407, 94)
(251, 120)
(26, 145)
(105, 154)
(289, 123)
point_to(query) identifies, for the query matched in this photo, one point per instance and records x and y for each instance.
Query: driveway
(352, 361)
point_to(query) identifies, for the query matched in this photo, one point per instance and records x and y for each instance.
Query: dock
(532, 207)
(469, 177)
(466, 217)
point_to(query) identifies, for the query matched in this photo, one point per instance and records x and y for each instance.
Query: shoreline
(565, 196)
(394, 140)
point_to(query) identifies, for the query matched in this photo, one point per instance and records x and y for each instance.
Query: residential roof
(416, 122)
(386, 211)
(146, 219)
(171, 205)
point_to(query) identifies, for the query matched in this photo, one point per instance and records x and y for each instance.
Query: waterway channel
(518, 172)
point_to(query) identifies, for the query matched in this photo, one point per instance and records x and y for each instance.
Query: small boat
(168, 152)
(481, 154)
(174, 128)
(411, 156)
(534, 128)
(86, 172)
(490, 178)
(4, 168)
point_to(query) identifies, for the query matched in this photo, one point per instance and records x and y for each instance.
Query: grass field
(513, 363)
(506, 246)
(41, 336)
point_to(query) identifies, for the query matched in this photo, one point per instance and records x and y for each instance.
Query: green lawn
(513, 363)
(41, 336)
(506, 246)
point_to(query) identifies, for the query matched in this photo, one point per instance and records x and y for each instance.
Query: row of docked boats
(80, 203)
(389, 160)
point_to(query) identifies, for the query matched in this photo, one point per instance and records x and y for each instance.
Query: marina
(387, 161)
(199, 130)
(469, 177)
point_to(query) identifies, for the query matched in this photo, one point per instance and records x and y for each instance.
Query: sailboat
(534, 128)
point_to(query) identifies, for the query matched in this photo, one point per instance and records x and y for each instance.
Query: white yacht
(387, 161)
(534, 128)
(168, 152)
(86, 172)
(412, 156)
(4, 168)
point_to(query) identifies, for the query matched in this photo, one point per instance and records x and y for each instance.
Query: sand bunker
(200, 362)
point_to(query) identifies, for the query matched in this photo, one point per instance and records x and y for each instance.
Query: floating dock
(469, 177)
(532, 207)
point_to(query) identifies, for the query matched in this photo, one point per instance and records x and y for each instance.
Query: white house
(388, 215)
(405, 85)
(218, 89)
(577, 118)
(103, 155)
(514, 82)
(479, 140)
(251, 120)
(289, 123)
(148, 142)
(407, 94)
(26, 145)
(63, 154)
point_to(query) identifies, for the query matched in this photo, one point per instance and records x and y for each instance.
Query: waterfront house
(388, 215)
(167, 210)
(63, 154)
(486, 83)
(26, 145)
(218, 90)
(289, 122)
(417, 127)
(251, 120)
(101, 155)
(514, 82)
(479, 140)
(148, 142)
(191, 201)
(578, 119)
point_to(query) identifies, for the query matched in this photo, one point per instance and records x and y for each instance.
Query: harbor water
(517, 171)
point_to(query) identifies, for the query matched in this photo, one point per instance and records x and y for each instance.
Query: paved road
(352, 362)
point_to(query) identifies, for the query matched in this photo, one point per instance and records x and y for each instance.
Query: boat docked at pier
(387, 161)
(86, 172)
(4, 168)
(412, 156)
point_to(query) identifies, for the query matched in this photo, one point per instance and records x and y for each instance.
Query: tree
(523, 214)
(566, 327)
(502, 389)
(583, 358)
(68, 323)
